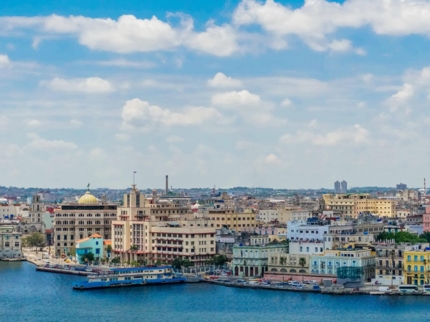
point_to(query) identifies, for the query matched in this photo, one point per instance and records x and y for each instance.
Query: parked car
(239, 281)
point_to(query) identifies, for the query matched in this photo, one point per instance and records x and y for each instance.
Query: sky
(282, 94)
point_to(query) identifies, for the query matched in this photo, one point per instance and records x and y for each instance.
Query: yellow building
(354, 204)
(416, 267)
(234, 220)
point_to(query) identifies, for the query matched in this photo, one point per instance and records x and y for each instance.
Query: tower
(337, 187)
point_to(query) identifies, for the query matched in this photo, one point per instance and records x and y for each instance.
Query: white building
(10, 242)
(268, 215)
(300, 231)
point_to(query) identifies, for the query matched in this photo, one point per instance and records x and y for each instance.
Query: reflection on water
(27, 295)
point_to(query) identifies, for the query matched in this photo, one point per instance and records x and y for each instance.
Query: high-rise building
(402, 186)
(343, 187)
(337, 187)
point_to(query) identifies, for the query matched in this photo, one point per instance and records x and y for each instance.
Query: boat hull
(136, 282)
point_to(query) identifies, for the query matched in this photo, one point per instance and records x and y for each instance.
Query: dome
(87, 198)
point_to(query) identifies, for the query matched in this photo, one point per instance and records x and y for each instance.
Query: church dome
(87, 198)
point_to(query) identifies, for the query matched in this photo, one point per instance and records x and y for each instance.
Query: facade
(253, 260)
(151, 231)
(355, 204)
(416, 266)
(268, 215)
(92, 244)
(304, 231)
(337, 187)
(390, 262)
(352, 267)
(426, 220)
(343, 187)
(80, 220)
(245, 221)
(10, 242)
(280, 263)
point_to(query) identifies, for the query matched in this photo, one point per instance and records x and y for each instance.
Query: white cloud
(85, 85)
(272, 159)
(97, 154)
(222, 81)
(10, 150)
(405, 93)
(76, 123)
(137, 113)
(353, 135)
(234, 98)
(172, 139)
(129, 34)
(4, 122)
(38, 143)
(316, 20)
(126, 63)
(33, 123)
(286, 102)
(5, 61)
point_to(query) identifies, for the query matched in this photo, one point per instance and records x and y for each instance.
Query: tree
(134, 248)
(402, 237)
(115, 260)
(72, 251)
(219, 260)
(87, 258)
(302, 263)
(36, 240)
(282, 261)
(426, 236)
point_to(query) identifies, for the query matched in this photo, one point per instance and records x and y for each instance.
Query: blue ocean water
(27, 295)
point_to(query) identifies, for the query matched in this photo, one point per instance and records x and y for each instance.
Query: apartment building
(238, 221)
(152, 230)
(10, 242)
(416, 266)
(82, 219)
(354, 204)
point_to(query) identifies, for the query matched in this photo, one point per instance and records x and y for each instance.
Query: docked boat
(133, 276)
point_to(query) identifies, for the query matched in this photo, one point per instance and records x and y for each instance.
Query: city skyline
(236, 93)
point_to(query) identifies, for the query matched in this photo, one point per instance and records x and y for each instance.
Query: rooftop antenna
(134, 173)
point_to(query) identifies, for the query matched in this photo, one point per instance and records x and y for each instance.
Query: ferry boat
(133, 276)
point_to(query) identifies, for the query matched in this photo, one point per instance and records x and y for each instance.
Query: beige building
(245, 221)
(82, 219)
(10, 242)
(288, 263)
(152, 230)
(354, 204)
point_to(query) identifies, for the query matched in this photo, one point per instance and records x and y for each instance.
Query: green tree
(219, 260)
(36, 240)
(87, 258)
(282, 261)
(302, 263)
(426, 236)
(134, 248)
(115, 260)
(72, 251)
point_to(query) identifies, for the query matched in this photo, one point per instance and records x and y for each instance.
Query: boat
(132, 276)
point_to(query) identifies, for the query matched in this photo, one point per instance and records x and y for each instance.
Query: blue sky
(270, 93)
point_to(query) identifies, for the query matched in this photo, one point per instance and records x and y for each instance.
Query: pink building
(426, 220)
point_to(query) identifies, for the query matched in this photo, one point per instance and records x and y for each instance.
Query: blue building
(92, 244)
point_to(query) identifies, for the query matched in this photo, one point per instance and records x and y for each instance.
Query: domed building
(87, 199)
(78, 220)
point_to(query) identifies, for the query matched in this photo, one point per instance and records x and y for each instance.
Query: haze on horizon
(282, 94)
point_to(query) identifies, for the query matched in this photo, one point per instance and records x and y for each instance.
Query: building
(352, 267)
(153, 231)
(238, 221)
(280, 263)
(416, 266)
(343, 187)
(426, 220)
(337, 187)
(268, 215)
(401, 186)
(92, 244)
(35, 222)
(10, 242)
(79, 220)
(389, 263)
(253, 260)
(353, 205)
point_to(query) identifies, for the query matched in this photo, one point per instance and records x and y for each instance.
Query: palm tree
(393, 255)
(282, 261)
(425, 271)
(302, 263)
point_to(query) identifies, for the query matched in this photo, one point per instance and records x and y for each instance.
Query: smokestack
(167, 185)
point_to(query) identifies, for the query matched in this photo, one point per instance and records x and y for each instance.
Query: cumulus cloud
(92, 85)
(235, 98)
(140, 114)
(353, 135)
(76, 123)
(33, 123)
(38, 143)
(316, 20)
(10, 150)
(121, 137)
(272, 159)
(405, 93)
(5, 61)
(286, 102)
(129, 34)
(222, 81)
